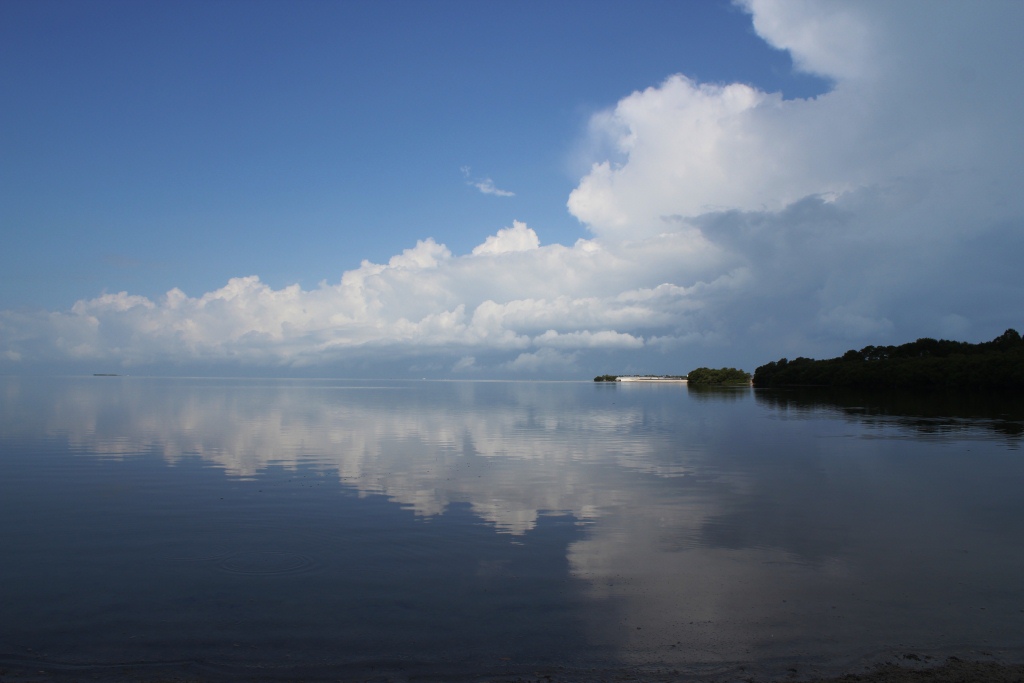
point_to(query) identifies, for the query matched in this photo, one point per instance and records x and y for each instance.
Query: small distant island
(698, 377)
(709, 377)
(925, 364)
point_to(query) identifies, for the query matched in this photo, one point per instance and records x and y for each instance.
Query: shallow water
(330, 529)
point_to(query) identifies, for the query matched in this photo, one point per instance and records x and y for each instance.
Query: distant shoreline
(651, 379)
(699, 377)
(924, 365)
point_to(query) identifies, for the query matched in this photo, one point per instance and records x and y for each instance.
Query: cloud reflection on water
(513, 451)
(719, 529)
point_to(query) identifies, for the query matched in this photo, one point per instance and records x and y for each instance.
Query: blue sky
(771, 167)
(153, 145)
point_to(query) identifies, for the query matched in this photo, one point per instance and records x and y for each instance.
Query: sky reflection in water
(471, 529)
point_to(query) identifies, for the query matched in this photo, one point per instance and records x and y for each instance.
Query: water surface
(327, 529)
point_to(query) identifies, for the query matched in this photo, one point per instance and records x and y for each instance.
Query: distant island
(709, 377)
(922, 364)
(698, 377)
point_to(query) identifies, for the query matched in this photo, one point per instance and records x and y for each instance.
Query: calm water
(325, 530)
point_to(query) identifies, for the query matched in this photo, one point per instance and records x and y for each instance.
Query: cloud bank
(529, 306)
(727, 225)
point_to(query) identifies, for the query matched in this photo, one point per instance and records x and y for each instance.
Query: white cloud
(917, 96)
(517, 238)
(509, 295)
(485, 185)
(729, 226)
(542, 360)
(588, 339)
(847, 214)
(689, 149)
(830, 40)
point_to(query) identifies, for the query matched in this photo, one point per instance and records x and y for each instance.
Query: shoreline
(678, 380)
(907, 668)
(952, 670)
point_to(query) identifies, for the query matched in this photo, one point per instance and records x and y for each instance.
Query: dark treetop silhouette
(922, 364)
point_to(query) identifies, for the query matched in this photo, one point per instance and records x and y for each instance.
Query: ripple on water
(266, 563)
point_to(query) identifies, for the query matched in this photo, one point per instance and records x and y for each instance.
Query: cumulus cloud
(510, 295)
(847, 214)
(727, 225)
(517, 238)
(916, 97)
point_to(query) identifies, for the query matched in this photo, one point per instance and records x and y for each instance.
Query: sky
(476, 190)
